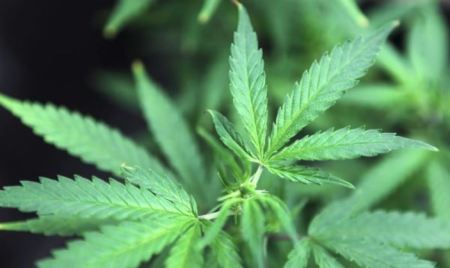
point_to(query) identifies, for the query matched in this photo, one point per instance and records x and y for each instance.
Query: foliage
(240, 207)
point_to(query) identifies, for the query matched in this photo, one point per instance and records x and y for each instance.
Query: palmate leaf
(298, 258)
(56, 225)
(439, 185)
(404, 230)
(93, 142)
(367, 253)
(248, 82)
(123, 12)
(184, 254)
(306, 175)
(94, 199)
(346, 143)
(253, 229)
(162, 184)
(170, 130)
(323, 84)
(229, 136)
(225, 251)
(124, 245)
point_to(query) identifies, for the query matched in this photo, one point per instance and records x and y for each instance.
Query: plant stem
(255, 178)
(209, 216)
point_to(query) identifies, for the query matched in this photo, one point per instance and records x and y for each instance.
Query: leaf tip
(138, 67)
(109, 32)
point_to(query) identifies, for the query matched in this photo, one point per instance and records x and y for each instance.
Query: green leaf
(163, 185)
(403, 230)
(214, 229)
(368, 254)
(118, 87)
(170, 129)
(324, 259)
(208, 9)
(439, 185)
(376, 96)
(222, 154)
(351, 7)
(124, 11)
(253, 229)
(229, 136)
(225, 251)
(323, 84)
(125, 245)
(184, 254)
(94, 199)
(306, 175)
(428, 44)
(395, 64)
(83, 137)
(346, 143)
(298, 257)
(55, 225)
(248, 82)
(282, 213)
(375, 185)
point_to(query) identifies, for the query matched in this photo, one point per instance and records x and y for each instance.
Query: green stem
(255, 178)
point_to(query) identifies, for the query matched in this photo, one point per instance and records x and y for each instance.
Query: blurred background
(78, 53)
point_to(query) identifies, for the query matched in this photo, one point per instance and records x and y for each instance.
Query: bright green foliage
(404, 230)
(346, 143)
(93, 142)
(282, 214)
(124, 245)
(323, 84)
(253, 229)
(184, 254)
(215, 228)
(324, 259)
(439, 183)
(306, 175)
(162, 184)
(124, 11)
(374, 186)
(299, 256)
(87, 199)
(225, 252)
(170, 130)
(148, 212)
(248, 82)
(229, 136)
(56, 225)
(368, 254)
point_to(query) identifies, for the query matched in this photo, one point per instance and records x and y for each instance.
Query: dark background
(48, 52)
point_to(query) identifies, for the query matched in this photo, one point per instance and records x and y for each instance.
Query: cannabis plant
(153, 210)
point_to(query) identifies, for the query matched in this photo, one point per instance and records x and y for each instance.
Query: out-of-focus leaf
(123, 12)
